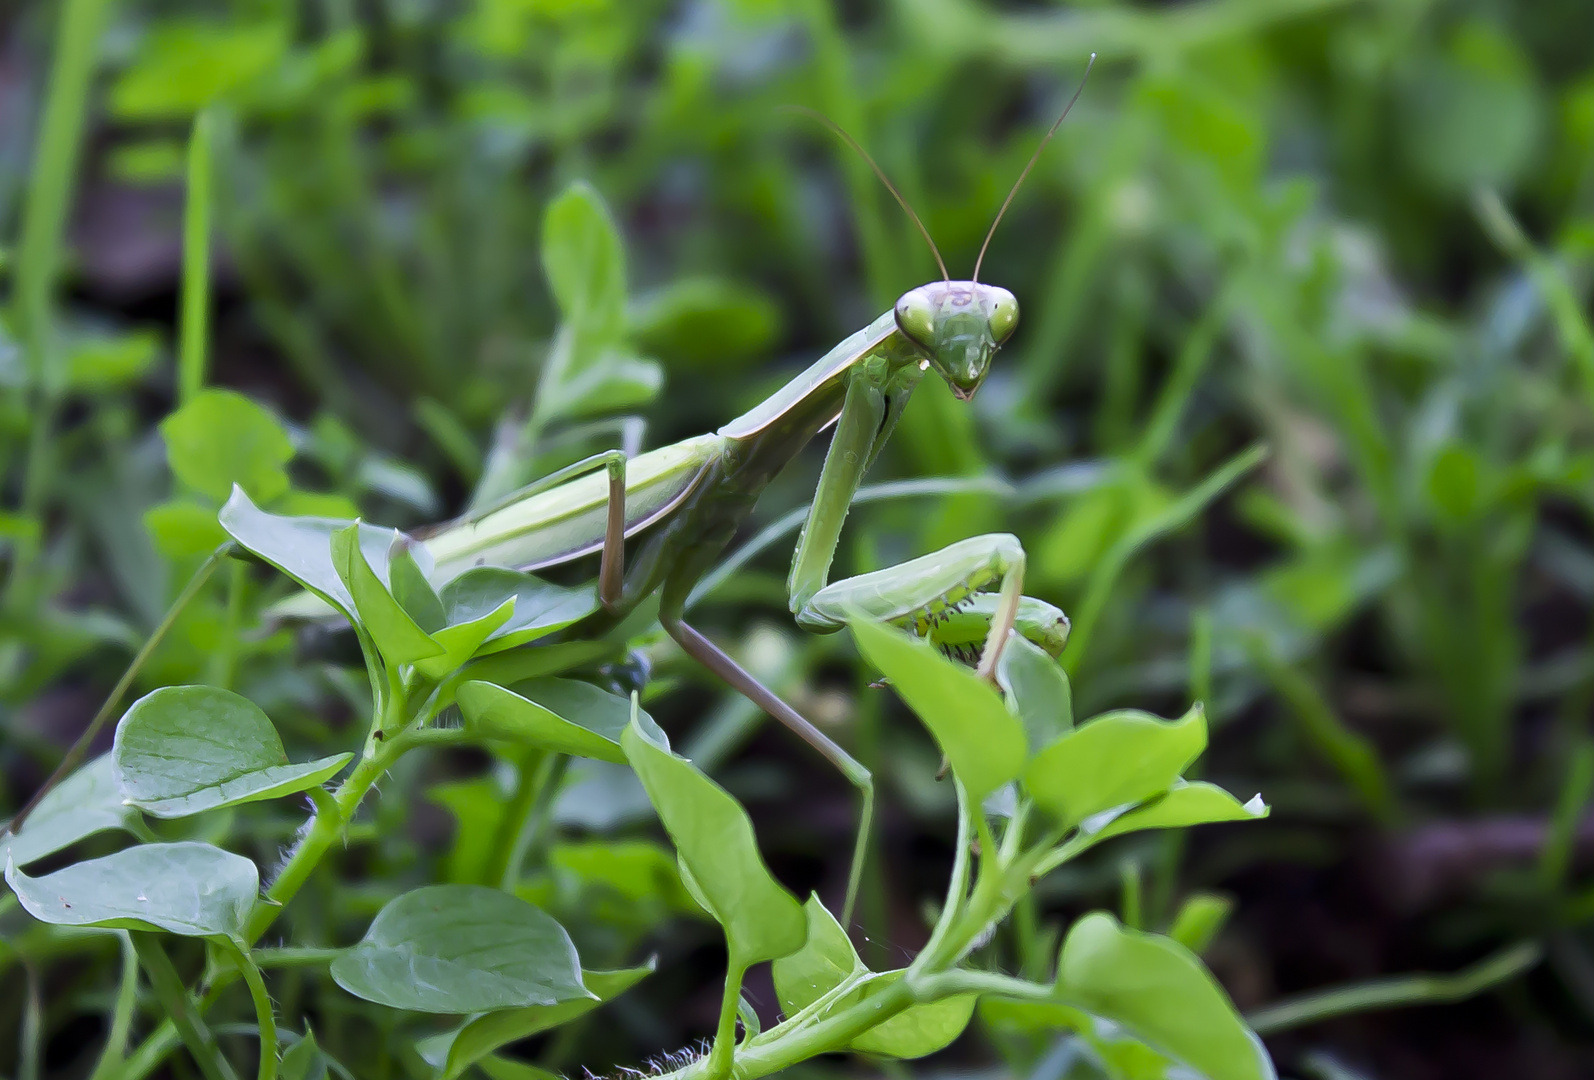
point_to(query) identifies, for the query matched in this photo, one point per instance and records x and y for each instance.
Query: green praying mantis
(656, 523)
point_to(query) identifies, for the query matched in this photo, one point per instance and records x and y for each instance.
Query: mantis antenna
(850, 141)
(1032, 159)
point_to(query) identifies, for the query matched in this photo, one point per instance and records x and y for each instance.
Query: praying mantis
(658, 522)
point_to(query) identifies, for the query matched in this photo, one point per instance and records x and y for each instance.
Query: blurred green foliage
(1356, 231)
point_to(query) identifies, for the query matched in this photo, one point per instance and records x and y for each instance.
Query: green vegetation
(1297, 427)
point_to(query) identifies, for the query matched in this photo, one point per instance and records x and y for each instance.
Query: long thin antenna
(850, 141)
(1033, 158)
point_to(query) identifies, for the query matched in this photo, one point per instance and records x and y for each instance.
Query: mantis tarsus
(658, 522)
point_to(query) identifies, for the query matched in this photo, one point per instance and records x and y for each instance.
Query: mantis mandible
(659, 521)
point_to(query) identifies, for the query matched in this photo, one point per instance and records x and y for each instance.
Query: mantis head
(959, 325)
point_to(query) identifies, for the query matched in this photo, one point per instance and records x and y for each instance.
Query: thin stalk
(265, 1018)
(531, 775)
(958, 886)
(32, 1027)
(180, 1008)
(110, 1063)
(192, 358)
(720, 1057)
(536, 825)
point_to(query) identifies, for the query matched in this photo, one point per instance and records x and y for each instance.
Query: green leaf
(1161, 992)
(1200, 918)
(1185, 804)
(392, 630)
(221, 438)
(706, 323)
(100, 363)
(183, 529)
(461, 949)
(411, 588)
(461, 641)
(541, 608)
(301, 547)
(1114, 759)
(85, 803)
(455, 1052)
(638, 871)
(562, 715)
(195, 890)
(185, 64)
(1036, 690)
(825, 959)
(585, 262)
(981, 739)
(181, 750)
(303, 1061)
(718, 852)
(828, 958)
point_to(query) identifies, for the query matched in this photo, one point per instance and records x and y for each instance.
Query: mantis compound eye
(1004, 314)
(916, 318)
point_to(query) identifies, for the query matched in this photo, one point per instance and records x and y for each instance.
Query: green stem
(265, 1018)
(111, 1057)
(294, 956)
(179, 1006)
(720, 1057)
(191, 361)
(958, 887)
(531, 774)
(1390, 993)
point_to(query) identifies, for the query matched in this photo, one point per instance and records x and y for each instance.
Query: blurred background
(1355, 232)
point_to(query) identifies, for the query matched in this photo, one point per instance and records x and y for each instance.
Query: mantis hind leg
(711, 657)
(936, 597)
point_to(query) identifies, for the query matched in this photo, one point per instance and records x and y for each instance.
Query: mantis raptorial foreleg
(920, 593)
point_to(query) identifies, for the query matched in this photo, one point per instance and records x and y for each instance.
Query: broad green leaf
(1198, 803)
(181, 750)
(461, 949)
(828, 958)
(455, 1052)
(191, 889)
(981, 739)
(183, 529)
(1114, 759)
(1160, 991)
(1124, 1056)
(221, 438)
(301, 547)
(613, 382)
(461, 641)
(392, 630)
(99, 363)
(562, 715)
(541, 608)
(1036, 689)
(584, 260)
(718, 852)
(85, 803)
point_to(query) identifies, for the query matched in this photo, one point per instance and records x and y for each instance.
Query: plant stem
(122, 1017)
(720, 1057)
(196, 264)
(179, 1006)
(265, 1018)
(531, 774)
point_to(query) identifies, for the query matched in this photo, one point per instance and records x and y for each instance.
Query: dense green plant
(1034, 792)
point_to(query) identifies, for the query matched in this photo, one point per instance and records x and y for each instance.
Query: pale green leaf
(1185, 804)
(392, 630)
(221, 438)
(1037, 691)
(191, 889)
(461, 949)
(85, 803)
(181, 750)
